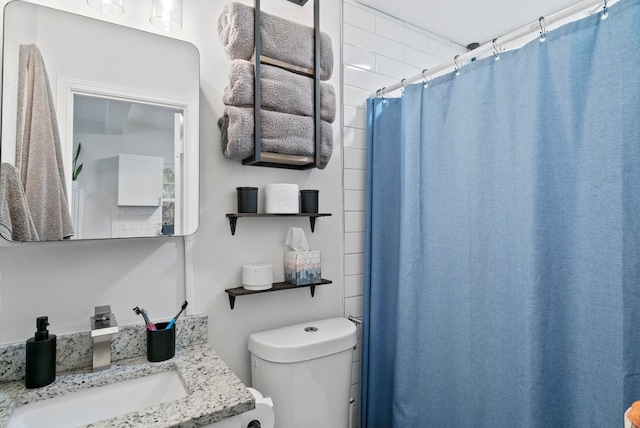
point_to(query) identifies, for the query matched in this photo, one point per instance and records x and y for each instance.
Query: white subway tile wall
(129, 222)
(378, 51)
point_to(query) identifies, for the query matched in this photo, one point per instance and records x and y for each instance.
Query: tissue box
(302, 267)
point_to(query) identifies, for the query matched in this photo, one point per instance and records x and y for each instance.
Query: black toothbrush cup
(161, 343)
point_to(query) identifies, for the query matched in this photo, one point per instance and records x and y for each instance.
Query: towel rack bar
(287, 66)
(277, 160)
(286, 159)
(316, 79)
(257, 85)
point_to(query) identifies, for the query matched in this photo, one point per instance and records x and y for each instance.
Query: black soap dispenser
(41, 356)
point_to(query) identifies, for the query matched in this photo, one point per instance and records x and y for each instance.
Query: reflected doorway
(127, 167)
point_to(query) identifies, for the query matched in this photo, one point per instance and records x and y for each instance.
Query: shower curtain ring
(605, 11)
(402, 86)
(495, 50)
(384, 95)
(458, 65)
(426, 81)
(542, 29)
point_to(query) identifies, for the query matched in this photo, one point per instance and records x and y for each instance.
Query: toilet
(306, 370)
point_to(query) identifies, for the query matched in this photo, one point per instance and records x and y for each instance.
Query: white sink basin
(95, 404)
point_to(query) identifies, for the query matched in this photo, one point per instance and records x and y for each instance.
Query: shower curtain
(502, 254)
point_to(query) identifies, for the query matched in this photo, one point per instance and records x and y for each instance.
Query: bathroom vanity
(212, 392)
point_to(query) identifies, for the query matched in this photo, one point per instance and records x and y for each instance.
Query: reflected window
(168, 195)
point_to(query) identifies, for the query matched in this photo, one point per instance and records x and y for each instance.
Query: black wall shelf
(233, 218)
(240, 291)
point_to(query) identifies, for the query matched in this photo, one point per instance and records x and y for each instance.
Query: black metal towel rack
(276, 160)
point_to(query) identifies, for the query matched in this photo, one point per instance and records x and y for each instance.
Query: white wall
(66, 280)
(378, 51)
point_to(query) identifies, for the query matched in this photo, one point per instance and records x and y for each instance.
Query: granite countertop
(214, 391)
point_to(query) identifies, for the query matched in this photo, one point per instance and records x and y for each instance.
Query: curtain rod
(537, 26)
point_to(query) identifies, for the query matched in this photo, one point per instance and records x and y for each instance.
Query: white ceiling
(468, 21)
(111, 117)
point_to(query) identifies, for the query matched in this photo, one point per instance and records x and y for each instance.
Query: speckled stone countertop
(214, 391)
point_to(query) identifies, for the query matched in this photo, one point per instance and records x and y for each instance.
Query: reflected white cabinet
(139, 180)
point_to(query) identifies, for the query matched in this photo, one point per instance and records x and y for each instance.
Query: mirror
(126, 103)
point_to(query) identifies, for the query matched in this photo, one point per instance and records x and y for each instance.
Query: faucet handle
(103, 322)
(103, 313)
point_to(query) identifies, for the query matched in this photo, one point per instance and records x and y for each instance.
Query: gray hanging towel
(15, 219)
(282, 39)
(38, 152)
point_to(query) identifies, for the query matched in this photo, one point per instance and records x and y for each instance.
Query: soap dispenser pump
(41, 356)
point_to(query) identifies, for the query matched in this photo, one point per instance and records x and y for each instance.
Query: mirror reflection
(123, 177)
(99, 132)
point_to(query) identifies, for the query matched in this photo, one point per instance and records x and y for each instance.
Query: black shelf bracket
(232, 223)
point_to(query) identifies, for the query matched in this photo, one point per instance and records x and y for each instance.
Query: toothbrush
(150, 326)
(173, 321)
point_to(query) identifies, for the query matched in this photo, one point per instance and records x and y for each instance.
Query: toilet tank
(306, 370)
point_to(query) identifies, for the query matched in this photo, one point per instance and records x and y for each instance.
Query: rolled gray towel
(282, 91)
(282, 133)
(282, 39)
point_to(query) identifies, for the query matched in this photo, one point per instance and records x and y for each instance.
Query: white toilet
(306, 370)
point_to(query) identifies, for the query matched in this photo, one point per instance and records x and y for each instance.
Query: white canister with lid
(257, 277)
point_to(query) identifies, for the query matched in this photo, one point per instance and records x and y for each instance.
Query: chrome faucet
(103, 327)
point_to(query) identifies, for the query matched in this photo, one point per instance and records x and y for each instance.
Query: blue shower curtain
(502, 256)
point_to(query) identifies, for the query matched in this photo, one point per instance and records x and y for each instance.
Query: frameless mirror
(125, 105)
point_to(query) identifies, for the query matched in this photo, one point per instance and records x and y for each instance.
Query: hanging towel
(38, 152)
(15, 219)
(282, 91)
(282, 39)
(281, 133)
